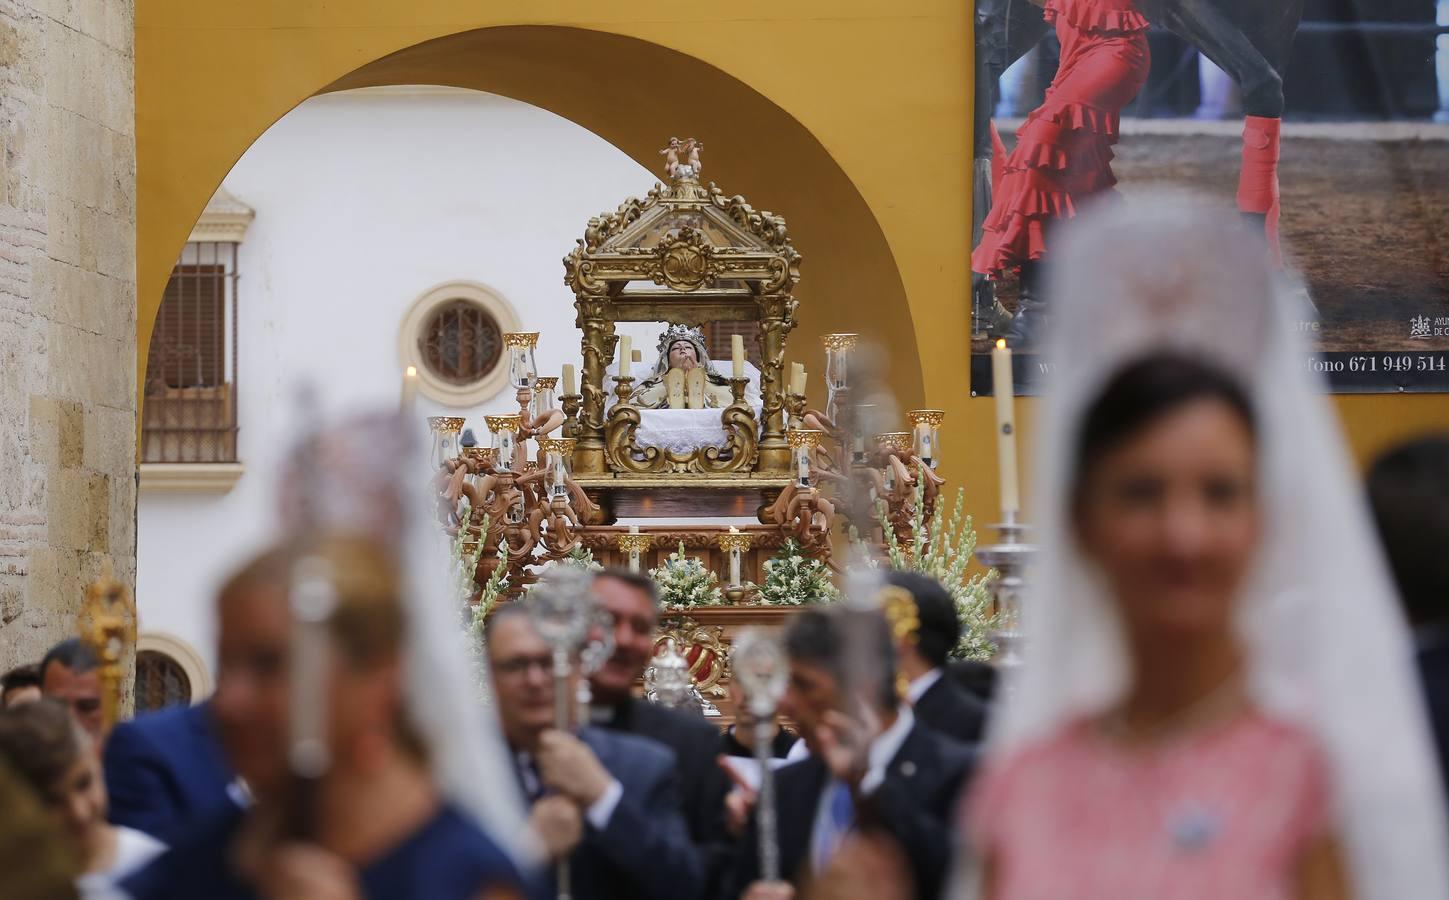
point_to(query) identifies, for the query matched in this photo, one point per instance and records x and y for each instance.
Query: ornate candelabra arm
(795, 411)
(624, 388)
(571, 405)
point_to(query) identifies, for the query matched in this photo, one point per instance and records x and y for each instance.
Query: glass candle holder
(446, 431)
(544, 399)
(558, 457)
(632, 545)
(735, 543)
(802, 441)
(837, 359)
(505, 437)
(926, 432)
(521, 368)
(893, 443)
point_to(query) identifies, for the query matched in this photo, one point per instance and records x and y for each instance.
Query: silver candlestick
(1011, 556)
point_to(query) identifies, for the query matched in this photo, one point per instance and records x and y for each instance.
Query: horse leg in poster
(1208, 27)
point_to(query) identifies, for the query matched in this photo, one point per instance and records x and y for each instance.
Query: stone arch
(753, 147)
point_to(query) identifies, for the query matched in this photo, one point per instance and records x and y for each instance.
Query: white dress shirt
(918, 687)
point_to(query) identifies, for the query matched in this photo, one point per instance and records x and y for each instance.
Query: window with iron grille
(191, 369)
(160, 681)
(717, 338)
(460, 342)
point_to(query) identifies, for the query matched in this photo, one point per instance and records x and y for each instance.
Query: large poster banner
(1325, 121)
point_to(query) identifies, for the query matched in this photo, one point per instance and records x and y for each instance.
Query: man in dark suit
(606, 802)
(873, 771)
(633, 602)
(937, 700)
(166, 769)
(1408, 489)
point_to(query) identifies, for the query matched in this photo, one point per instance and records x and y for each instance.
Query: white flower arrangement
(793, 579)
(684, 582)
(942, 549)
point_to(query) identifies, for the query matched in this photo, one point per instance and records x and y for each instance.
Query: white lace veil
(1327, 645)
(369, 475)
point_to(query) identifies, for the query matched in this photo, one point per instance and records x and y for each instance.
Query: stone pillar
(67, 312)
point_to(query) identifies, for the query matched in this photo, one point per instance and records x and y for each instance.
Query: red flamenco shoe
(1258, 181)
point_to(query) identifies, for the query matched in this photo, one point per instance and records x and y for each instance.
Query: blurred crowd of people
(1220, 698)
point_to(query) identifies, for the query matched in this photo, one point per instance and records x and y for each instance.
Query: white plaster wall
(364, 201)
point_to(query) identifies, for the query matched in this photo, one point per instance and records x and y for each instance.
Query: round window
(160, 681)
(460, 342)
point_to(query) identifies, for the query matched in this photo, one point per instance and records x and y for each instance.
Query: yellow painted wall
(848, 117)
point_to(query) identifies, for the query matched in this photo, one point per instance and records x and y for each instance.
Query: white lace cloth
(685, 430)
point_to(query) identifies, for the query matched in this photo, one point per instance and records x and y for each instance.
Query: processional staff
(107, 625)
(562, 609)
(758, 663)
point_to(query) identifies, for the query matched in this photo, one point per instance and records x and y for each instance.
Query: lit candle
(409, 389)
(734, 560)
(570, 386)
(626, 347)
(737, 348)
(797, 378)
(1005, 427)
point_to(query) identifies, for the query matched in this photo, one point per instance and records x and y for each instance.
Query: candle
(1005, 428)
(570, 386)
(626, 346)
(737, 348)
(797, 378)
(409, 389)
(633, 529)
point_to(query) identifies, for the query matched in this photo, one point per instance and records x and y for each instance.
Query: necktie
(831, 828)
(528, 774)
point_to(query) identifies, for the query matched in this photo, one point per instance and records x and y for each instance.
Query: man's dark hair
(830, 639)
(633, 579)
(940, 628)
(503, 612)
(1144, 392)
(73, 653)
(1408, 489)
(17, 678)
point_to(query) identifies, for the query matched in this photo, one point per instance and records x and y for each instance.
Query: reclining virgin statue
(683, 376)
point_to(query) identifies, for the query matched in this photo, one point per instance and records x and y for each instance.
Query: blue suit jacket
(166, 769)
(645, 852)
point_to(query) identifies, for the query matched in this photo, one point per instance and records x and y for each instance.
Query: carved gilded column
(777, 317)
(598, 348)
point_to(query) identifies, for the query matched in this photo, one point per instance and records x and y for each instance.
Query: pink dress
(1224, 814)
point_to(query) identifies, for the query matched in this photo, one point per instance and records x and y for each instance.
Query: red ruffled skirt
(1063, 153)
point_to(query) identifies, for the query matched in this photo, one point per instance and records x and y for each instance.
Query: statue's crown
(680, 333)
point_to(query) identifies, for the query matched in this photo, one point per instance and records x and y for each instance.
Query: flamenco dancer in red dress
(1064, 149)
(1064, 153)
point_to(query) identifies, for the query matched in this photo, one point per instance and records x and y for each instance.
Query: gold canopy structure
(685, 254)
